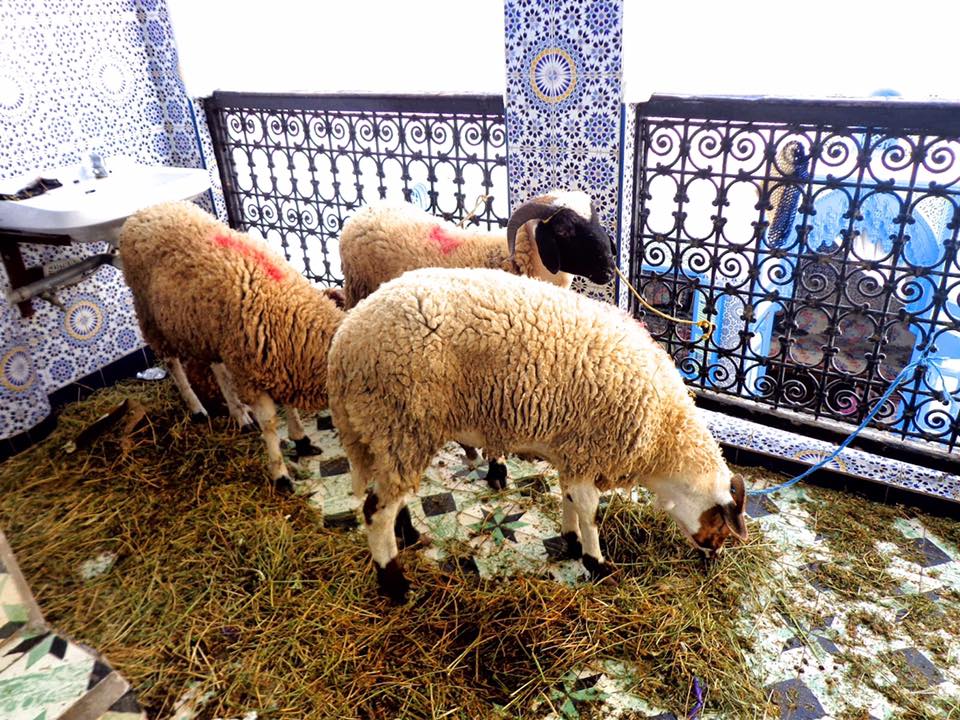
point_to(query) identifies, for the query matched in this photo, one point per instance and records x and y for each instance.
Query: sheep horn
(530, 210)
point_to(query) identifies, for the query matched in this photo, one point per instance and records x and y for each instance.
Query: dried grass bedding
(221, 584)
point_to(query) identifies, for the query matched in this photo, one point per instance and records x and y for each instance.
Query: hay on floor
(221, 583)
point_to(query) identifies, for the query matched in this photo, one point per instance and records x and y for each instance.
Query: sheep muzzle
(723, 520)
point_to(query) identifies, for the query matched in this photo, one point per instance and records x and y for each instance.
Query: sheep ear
(732, 513)
(547, 247)
(739, 492)
(734, 519)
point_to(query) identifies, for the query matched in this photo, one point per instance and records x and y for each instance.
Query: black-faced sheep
(551, 238)
(206, 292)
(512, 364)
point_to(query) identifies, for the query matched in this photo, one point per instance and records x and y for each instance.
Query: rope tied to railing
(481, 199)
(705, 325)
(923, 362)
(902, 377)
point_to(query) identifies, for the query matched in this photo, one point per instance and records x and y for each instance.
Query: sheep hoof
(198, 417)
(600, 572)
(250, 427)
(283, 484)
(392, 583)
(304, 448)
(497, 475)
(574, 548)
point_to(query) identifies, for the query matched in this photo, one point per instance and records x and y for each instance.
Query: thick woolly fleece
(214, 295)
(516, 365)
(384, 240)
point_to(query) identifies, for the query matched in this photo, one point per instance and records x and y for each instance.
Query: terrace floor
(856, 613)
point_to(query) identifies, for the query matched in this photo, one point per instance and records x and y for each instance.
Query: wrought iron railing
(295, 167)
(821, 238)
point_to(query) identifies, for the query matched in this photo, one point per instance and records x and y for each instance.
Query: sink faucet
(99, 169)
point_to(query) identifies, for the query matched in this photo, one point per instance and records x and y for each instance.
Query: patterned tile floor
(803, 667)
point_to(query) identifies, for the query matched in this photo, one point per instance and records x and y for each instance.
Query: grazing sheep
(512, 364)
(551, 238)
(219, 297)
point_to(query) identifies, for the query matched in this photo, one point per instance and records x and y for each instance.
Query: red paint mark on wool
(444, 240)
(259, 258)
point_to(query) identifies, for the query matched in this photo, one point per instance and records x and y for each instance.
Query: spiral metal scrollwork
(831, 263)
(293, 174)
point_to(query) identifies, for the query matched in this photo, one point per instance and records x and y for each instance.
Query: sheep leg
(407, 535)
(586, 499)
(497, 473)
(570, 528)
(238, 411)
(297, 433)
(381, 519)
(197, 412)
(266, 413)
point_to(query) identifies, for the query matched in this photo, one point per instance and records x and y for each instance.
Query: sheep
(513, 364)
(204, 291)
(550, 237)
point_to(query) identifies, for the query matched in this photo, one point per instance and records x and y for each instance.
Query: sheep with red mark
(551, 238)
(515, 365)
(205, 292)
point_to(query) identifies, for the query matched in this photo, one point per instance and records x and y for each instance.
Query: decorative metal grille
(295, 167)
(821, 238)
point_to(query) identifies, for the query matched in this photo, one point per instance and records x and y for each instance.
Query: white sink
(91, 210)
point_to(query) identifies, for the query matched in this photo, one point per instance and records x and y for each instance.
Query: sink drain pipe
(67, 276)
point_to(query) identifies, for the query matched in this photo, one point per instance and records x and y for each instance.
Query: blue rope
(901, 378)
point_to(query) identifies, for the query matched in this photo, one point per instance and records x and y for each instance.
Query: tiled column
(563, 103)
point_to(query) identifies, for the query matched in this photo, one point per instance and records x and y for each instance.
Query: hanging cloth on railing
(792, 162)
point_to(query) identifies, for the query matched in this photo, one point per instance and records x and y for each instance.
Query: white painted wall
(327, 46)
(813, 48)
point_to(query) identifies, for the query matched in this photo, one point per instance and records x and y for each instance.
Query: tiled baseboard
(121, 369)
(44, 674)
(880, 477)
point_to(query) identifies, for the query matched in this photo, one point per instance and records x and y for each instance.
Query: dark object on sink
(37, 187)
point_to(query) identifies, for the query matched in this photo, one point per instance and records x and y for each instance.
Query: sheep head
(336, 294)
(568, 235)
(706, 519)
